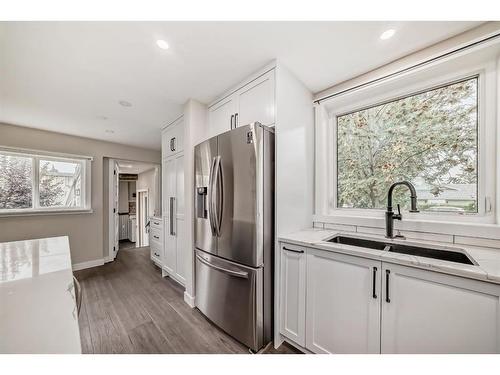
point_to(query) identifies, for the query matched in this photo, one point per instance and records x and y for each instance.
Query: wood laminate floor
(129, 308)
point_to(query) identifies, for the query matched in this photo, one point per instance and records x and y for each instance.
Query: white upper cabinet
(172, 138)
(221, 116)
(255, 101)
(429, 312)
(343, 303)
(293, 293)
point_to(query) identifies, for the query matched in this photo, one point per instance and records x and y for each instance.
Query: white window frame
(423, 79)
(36, 156)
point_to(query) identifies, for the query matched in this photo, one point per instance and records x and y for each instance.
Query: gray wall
(87, 232)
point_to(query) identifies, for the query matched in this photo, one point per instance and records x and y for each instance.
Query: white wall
(147, 180)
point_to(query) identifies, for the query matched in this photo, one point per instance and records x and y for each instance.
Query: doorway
(133, 196)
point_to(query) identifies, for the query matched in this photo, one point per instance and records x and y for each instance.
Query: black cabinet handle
(387, 273)
(232, 118)
(235, 120)
(156, 237)
(293, 251)
(173, 144)
(374, 293)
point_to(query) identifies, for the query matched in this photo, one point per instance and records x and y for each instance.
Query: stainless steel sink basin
(438, 252)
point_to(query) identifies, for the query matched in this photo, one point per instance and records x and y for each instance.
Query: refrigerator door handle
(211, 208)
(243, 275)
(218, 201)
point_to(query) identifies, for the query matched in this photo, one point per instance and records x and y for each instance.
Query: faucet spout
(390, 216)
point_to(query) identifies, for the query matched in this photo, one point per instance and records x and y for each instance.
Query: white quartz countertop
(37, 298)
(488, 259)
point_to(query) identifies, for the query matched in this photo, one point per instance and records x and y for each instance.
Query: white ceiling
(69, 76)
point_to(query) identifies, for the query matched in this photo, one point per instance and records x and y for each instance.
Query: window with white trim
(428, 138)
(31, 182)
(435, 127)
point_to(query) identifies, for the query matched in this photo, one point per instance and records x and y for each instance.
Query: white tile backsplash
(340, 227)
(481, 242)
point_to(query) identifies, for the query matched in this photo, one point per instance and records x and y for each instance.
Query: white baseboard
(189, 299)
(89, 264)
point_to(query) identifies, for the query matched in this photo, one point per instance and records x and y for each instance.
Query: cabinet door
(180, 259)
(429, 312)
(221, 116)
(169, 173)
(172, 141)
(343, 303)
(256, 101)
(180, 224)
(293, 293)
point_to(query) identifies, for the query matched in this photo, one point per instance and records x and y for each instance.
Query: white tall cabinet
(174, 224)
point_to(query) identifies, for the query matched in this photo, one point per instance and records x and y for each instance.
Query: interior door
(221, 116)
(342, 303)
(204, 155)
(239, 209)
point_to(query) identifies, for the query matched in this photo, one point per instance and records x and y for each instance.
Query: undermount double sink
(435, 252)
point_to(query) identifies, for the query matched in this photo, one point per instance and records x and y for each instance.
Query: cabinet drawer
(155, 254)
(155, 223)
(156, 235)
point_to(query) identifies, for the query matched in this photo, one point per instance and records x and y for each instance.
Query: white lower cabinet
(293, 293)
(343, 303)
(337, 303)
(429, 312)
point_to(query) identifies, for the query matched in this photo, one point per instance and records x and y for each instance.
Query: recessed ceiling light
(162, 44)
(109, 131)
(124, 103)
(387, 34)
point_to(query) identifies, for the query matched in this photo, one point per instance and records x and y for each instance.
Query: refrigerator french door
(234, 230)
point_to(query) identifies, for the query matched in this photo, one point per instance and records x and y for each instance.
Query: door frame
(142, 234)
(113, 240)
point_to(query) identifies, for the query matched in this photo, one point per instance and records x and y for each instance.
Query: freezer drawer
(230, 295)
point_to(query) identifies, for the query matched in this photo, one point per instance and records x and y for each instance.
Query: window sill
(46, 212)
(482, 230)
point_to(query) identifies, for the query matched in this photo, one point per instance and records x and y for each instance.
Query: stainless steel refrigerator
(234, 231)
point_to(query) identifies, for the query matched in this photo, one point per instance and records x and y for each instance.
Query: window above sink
(434, 126)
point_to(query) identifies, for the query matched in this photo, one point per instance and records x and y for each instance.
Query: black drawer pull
(155, 223)
(156, 237)
(293, 251)
(374, 293)
(387, 273)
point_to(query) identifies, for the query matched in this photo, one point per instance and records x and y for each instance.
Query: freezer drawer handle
(293, 251)
(243, 275)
